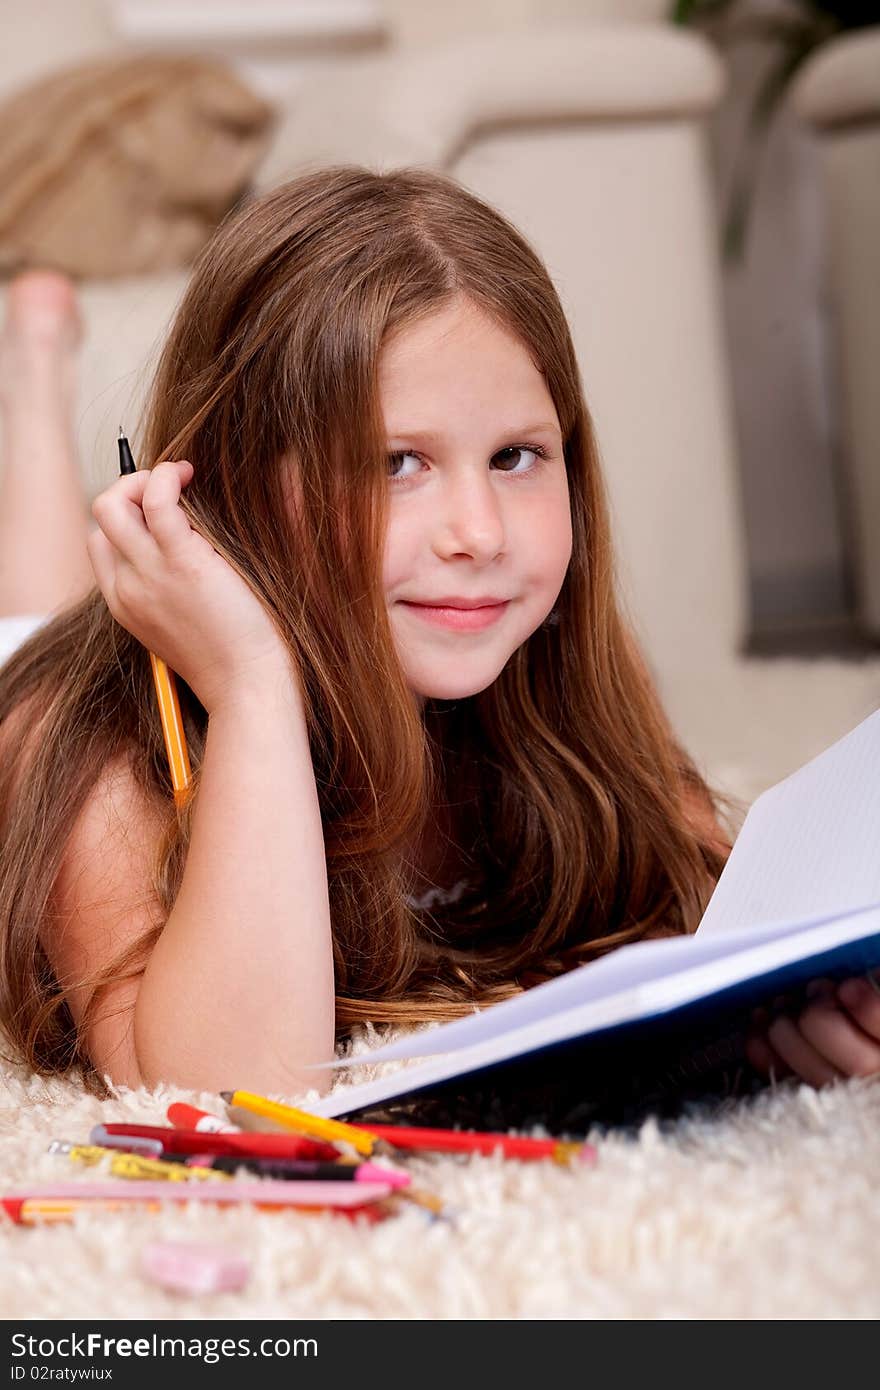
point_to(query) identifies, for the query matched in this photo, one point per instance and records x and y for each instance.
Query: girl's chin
(449, 690)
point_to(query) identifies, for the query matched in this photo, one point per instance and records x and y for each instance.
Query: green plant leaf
(686, 11)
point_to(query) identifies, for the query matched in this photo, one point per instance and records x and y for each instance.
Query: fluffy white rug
(766, 1208)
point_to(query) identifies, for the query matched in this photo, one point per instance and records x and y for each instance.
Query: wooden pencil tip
(227, 1096)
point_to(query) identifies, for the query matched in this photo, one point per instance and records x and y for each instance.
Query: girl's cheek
(548, 538)
(398, 564)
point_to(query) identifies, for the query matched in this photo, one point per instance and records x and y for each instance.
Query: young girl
(430, 766)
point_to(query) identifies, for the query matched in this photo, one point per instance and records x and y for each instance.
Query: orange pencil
(166, 685)
(480, 1141)
(39, 1211)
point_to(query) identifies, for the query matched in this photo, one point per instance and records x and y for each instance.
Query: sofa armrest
(423, 106)
(841, 83)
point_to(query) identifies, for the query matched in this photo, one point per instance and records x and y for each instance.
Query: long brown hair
(577, 786)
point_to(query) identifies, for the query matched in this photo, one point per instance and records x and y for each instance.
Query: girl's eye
(515, 449)
(509, 454)
(393, 458)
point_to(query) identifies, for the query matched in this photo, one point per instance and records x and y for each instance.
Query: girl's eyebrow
(432, 436)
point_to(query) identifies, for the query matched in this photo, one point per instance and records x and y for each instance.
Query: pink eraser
(187, 1267)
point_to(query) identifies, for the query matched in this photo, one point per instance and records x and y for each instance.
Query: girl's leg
(44, 521)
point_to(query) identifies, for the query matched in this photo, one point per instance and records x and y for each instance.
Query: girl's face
(475, 511)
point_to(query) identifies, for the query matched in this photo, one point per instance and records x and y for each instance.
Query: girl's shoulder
(115, 787)
(102, 901)
(104, 904)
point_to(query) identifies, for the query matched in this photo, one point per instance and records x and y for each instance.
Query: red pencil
(194, 1141)
(184, 1116)
(475, 1141)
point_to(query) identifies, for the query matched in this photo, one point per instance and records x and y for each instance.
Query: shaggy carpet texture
(756, 1208)
(759, 1208)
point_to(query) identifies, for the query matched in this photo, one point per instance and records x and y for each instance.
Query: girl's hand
(836, 1034)
(165, 583)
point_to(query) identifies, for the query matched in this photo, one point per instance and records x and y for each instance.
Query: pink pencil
(264, 1194)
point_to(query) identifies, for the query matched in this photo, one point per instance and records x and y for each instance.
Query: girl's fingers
(104, 560)
(785, 1036)
(836, 1035)
(821, 989)
(840, 1040)
(167, 523)
(758, 1050)
(139, 511)
(764, 1059)
(861, 1000)
(118, 513)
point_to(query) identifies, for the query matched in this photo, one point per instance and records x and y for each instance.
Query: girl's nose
(470, 519)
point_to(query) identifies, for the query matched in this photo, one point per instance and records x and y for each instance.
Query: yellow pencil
(301, 1122)
(123, 1165)
(172, 729)
(166, 686)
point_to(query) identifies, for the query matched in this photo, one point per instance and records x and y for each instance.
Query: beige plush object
(760, 1208)
(124, 165)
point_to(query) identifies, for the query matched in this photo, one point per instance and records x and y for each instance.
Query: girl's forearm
(238, 992)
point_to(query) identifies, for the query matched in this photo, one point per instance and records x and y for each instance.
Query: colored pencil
(166, 685)
(247, 1120)
(126, 1143)
(192, 1141)
(184, 1116)
(288, 1168)
(365, 1137)
(54, 1197)
(301, 1122)
(127, 1165)
(476, 1141)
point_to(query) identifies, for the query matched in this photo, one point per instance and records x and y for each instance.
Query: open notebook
(652, 1023)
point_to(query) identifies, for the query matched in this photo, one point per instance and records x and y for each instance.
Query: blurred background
(702, 180)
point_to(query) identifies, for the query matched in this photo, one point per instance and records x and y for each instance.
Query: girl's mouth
(460, 619)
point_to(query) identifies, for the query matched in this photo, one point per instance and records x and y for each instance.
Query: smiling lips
(455, 601)
(464, 615)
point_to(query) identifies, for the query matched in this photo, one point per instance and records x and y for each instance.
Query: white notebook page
(811, 844)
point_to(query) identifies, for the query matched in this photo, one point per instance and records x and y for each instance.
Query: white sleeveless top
(16, 630)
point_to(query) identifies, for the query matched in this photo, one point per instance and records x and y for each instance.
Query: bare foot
(44, 563)
(40, 336)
